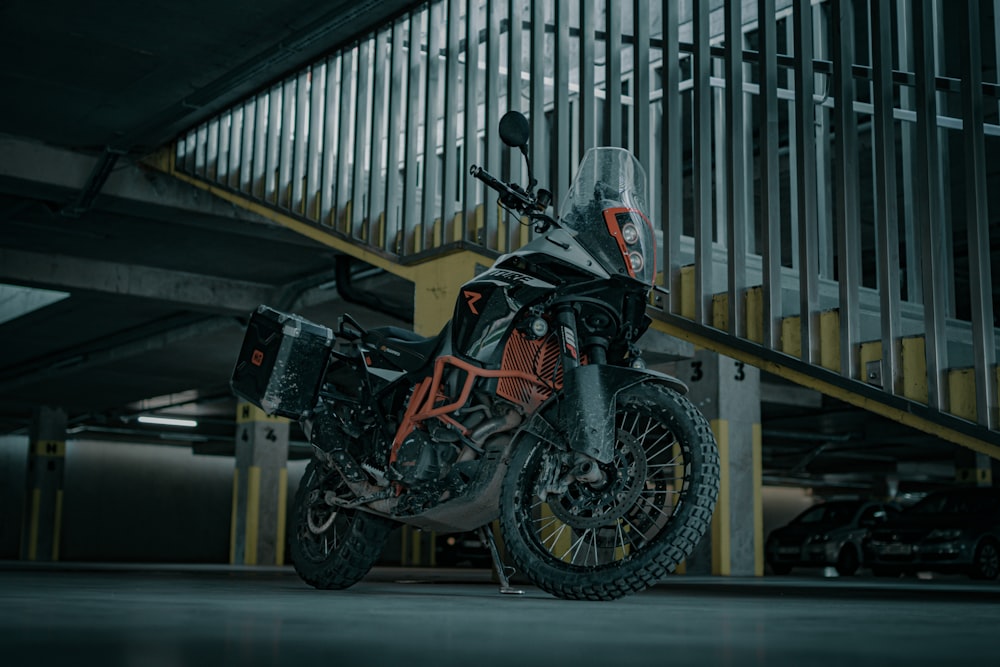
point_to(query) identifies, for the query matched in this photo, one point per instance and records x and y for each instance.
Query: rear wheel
(600, 540)
(332, 547)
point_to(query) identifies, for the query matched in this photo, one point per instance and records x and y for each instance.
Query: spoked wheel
(332, 547)
(623, 528)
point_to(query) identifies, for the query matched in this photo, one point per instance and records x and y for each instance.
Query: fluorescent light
(167, 421)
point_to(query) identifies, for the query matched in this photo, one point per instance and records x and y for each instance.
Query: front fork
(595, 348)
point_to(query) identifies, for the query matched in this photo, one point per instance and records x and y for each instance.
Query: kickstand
(503, 571)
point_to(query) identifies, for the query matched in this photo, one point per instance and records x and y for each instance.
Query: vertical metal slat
(671, 148)
(929, 203)
(410, 214)
(450, 171)
(235, 145)
(331, 152)
(260, 139)
(317, 114)
(470, 135)
(642, 146)
(562, 123)
(977, 219)
(735, 167)
(397, 104)
(343, 192)
(588, 121)
(362, 137)
(770, 215)
(288, 126)
(432, 112)
(511, 169)
(274, 129)
(613, 76)
(489, 231)
(382, 73)
(302, 117)
(539, 131)
(848, 203)
(702, 165)
(886, 213)
(249, 131)
(806, 169)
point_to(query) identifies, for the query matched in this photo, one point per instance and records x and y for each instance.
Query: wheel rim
(588, 527)
(989, 561)
(321, 527)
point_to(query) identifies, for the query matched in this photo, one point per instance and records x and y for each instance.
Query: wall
(131, 503)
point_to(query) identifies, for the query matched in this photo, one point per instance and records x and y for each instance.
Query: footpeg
(503, 571)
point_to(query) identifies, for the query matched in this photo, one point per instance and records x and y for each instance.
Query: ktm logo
(471, 298)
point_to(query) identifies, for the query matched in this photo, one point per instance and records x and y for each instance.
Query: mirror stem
(532, 182)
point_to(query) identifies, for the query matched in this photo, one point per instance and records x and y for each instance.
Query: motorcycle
(533, 406)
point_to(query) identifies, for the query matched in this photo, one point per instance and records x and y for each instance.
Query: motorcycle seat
(412, 349)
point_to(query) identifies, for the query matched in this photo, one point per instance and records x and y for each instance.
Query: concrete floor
(165, 616)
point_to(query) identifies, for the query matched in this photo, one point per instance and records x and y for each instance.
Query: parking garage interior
(165, 169)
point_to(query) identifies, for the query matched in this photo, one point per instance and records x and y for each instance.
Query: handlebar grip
(488, 178)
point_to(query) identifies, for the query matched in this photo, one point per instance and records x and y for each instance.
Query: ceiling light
(167, 421)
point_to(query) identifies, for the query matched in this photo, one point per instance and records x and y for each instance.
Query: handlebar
(516, 198)
(509, 196)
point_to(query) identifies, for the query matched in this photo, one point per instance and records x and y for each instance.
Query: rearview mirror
(514, 129)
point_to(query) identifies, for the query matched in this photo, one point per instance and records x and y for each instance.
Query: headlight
(945, 534)
(629, 233)
(635, 260)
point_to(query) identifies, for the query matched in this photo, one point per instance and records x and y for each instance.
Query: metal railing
(832, 168)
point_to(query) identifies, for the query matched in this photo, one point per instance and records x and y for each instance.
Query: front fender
(581, 417)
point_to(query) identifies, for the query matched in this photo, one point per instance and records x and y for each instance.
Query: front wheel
(603, 539)
(332, 547)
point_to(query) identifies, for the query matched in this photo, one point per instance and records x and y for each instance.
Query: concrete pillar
(973, 468)
(728, 393)
(260, 488)
(43, 504)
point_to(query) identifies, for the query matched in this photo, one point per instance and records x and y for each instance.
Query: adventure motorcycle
(533, 406)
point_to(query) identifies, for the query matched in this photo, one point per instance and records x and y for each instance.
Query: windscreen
(606, 206)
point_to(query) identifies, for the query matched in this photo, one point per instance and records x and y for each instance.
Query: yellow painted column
(728, 393)
(260, 488)
(42, 521)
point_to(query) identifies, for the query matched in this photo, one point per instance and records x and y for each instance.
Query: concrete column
(728, 393)
(260, 488)
(973, 468)
(43, 506)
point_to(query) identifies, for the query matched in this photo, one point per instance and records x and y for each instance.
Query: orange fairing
(614, 228)
(427, 394)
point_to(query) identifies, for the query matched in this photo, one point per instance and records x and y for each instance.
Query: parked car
(826, 534)
(953, 530)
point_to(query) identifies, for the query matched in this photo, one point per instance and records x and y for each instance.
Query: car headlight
(945, 534)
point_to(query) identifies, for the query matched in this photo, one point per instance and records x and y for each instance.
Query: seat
(414, 350)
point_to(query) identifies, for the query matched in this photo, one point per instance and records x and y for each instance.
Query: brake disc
(584, 506)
